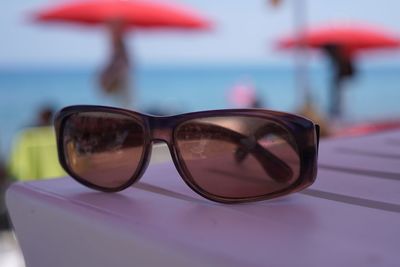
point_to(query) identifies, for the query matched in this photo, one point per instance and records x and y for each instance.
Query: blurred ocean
(374, 94)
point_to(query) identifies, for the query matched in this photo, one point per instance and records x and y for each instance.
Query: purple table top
(349, 217)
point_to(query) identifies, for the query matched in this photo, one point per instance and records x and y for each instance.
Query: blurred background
(254, 53)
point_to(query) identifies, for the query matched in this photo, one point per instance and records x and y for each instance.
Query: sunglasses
(229, 156)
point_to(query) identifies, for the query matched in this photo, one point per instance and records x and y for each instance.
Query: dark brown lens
(104, 149)
(238, 157)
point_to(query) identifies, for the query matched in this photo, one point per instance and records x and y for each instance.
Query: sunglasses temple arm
(277, 169)
(272, 165)
(275, 130)
(281, 174)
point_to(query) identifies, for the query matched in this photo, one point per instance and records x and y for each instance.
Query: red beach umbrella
(132, 13)
(119, 16)
(352, 37)
(341, 43)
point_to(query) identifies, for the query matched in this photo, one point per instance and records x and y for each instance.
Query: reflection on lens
(238, 157)
(104, 149)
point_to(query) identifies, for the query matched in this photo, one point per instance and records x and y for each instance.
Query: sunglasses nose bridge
(161, 129)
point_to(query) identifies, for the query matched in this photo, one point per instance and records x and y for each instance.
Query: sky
(245, 32)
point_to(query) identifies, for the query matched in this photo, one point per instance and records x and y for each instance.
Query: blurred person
(34, 151)
(45, 116)
(343, 67)
(244, 95)
(114, 79)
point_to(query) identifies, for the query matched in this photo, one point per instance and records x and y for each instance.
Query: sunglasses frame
(162, 128)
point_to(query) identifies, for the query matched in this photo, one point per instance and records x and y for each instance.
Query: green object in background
(34, 155)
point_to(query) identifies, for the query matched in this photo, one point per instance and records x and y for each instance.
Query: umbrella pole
(301, 54)
(335, 108)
